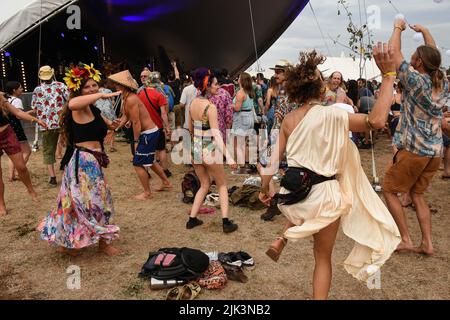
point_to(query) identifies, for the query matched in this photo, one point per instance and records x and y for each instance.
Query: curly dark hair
(302, 81)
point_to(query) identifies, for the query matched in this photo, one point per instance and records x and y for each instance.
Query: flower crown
(77, 74)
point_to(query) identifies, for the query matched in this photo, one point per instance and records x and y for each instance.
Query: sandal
(175, 293)
(275, 250)
(190, 291)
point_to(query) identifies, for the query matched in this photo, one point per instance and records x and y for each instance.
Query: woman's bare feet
(70, 252)
(34, 195)
(164, 187)
(3, 211)
(108, 249)
(143, 196)
(405, 247)
(425, 249)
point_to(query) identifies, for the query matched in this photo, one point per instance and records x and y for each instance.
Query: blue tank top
(247, 105)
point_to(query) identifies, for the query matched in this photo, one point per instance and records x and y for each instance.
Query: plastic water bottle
(156, 284)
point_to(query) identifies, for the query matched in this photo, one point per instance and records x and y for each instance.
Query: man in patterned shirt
(419, 134)
(48, 101)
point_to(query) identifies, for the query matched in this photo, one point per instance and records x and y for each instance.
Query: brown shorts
(410, 172)
(9, 142)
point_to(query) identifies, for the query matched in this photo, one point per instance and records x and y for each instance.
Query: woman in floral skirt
(84, 205)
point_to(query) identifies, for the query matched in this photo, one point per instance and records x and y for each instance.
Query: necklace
(312, 103)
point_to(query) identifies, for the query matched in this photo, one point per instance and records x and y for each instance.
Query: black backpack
(175, 263)
(189, 186)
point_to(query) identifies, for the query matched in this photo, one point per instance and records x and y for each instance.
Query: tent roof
(207, 33)
(21, 15)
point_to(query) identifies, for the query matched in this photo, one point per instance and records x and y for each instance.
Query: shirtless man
(145, 133)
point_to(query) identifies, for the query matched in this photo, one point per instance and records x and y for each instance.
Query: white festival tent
(19, 17)
(349, 68)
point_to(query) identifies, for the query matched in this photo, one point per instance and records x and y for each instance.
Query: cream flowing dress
(321, 143)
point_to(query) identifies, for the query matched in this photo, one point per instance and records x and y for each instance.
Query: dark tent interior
(136, 33)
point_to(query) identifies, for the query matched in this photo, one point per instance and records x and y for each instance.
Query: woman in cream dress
(316, 137)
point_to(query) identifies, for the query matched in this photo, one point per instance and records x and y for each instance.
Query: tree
(357, 43)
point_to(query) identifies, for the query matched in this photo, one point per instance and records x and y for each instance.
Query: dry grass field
(30, 269)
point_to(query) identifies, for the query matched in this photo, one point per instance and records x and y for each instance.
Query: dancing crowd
(313, 127)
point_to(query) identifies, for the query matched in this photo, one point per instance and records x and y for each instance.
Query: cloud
(304, 34)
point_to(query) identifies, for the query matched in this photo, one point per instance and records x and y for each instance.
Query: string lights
(3, 65)
(24, 77)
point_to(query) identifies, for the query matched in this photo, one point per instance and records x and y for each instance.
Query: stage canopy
(212, 33)
(351, 68)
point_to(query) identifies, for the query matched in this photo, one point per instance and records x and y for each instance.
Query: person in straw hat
(145, 133)
(48, 101)
(84, 207)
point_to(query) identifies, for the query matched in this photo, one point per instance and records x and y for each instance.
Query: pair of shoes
(276, 248)
(187, 292)
(271, 212)
(52, 182)
(230, 259)
(192, 223)
(229, 227)
(238, 259)
(168, 173)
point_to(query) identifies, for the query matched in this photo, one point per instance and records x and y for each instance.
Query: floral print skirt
(84, 209)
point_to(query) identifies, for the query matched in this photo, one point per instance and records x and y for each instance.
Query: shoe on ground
(52, 182)
(245, 258)
(229, 227)
(193, 223)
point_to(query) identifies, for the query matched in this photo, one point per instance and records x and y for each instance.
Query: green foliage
(357, 44)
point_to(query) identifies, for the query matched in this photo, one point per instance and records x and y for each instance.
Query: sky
(303, 34)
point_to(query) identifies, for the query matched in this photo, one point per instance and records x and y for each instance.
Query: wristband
(401, 30)
(392, 73)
